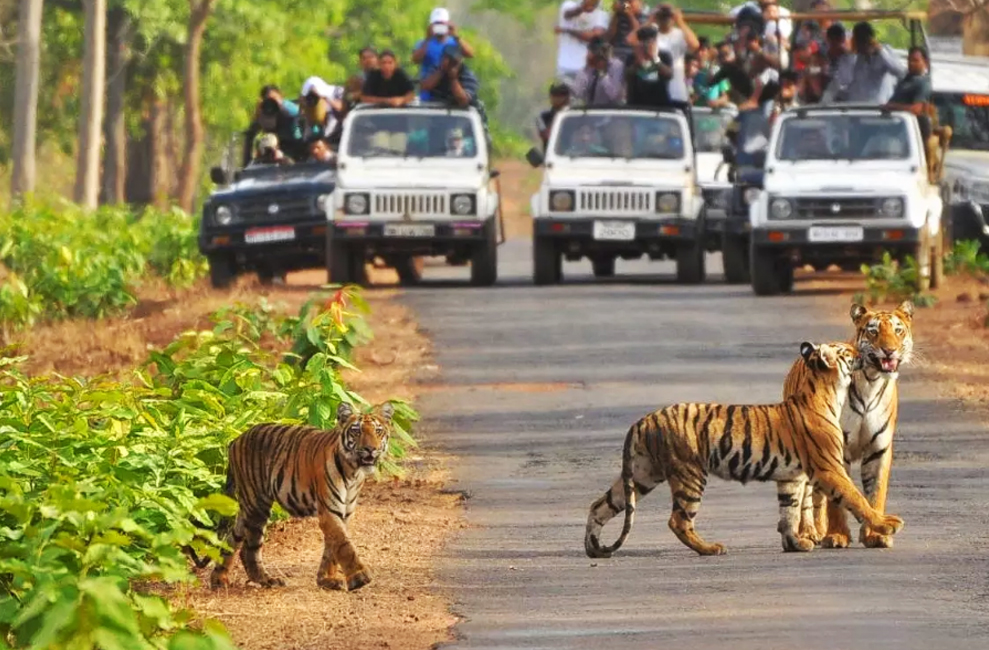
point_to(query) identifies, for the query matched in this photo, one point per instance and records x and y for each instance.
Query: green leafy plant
(889, 280)
(966, 258)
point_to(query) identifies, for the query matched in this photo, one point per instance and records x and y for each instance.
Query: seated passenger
(585, 142)
(455, 146)
(452, 81)
(559, 98)
(388, 85)
(268, 152)
(913, 92)
(601, 82)
(319, 151)
(277, 115)
(428, 52)
(705, 92)
(813, 144)
(868, 77)
(649, 72)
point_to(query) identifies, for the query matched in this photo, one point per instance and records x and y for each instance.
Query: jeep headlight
(224, 215)
(322, 201)
(561, 201)
(751, 195)
(462, 204)
(780, 209)
(356, 204)
(892, 207)
(667, 202)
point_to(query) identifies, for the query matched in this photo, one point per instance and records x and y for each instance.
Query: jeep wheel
(222, 271)
(771, 275)
(604, 267)
(484, 260)
(735, 259)
(547, 264)
(268, 275)
(409, 269)
(345, 264)
(690, 262)
(922, 255)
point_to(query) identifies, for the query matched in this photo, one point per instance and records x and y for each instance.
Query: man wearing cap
(269, 153)
(440, 33)
(602, 81)
(580, 21)
(273, 114)
(649, 72)
(559, 98)
(452, 81)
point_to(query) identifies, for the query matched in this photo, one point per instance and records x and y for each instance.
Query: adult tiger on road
(885, 341)
(790, 442)
(309, 472)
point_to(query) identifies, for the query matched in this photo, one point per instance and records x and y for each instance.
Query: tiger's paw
(332, 583)
(358, 580)
(891, 525)
(713, 549)
(810, 532)
(798, 544)
(835, 540)
(268, 582)
(219, 579)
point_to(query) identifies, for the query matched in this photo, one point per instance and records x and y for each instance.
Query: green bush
(966, 258)
(103, 484)
(889, 280)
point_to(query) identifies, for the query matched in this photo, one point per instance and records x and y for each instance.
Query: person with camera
(649, 72)
(580, 21)
(388, 85)
(559, 98)
(268, 152)
(322, 107)
(439, 34)
(277, 115)
(869, 75)
(676, 37)
(452, 81)
(602, 81)
(627, 16)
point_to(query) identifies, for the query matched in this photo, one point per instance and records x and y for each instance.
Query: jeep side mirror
(217, 175)
(534, 157)
(728, 155)
(494, 174)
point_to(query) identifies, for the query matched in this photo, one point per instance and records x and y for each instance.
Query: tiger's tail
(592, 544)
(222, 526)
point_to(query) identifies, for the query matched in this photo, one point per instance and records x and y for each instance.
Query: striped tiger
(308, 472)
(868, 420)
(790, 442)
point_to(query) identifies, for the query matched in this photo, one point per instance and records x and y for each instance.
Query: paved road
(576, 365)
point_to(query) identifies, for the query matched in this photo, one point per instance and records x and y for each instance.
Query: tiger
(885, 341)
(788, 442)
(308, 472)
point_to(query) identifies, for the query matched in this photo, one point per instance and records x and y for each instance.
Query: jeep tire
(771, 275)
(484, 258)
(547, 263)
(409, 269)
(604, 267)
(735, 259)
(690, 262)
(344, 263)
(222, 270)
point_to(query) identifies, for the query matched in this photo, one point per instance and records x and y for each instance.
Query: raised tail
(221, 527)
(592, 544)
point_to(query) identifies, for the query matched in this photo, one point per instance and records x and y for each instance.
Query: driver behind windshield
(319, 151)
(585, 142)
(268, 152)
(278, 116)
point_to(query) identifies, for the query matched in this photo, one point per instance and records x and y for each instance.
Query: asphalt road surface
(541, 385)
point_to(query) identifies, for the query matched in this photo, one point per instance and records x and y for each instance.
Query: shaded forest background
(153, 150)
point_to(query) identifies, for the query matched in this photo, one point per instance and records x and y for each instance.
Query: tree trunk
(145, 158)
(91, 116)
(119, 32)
(189, 175)
(26, 96)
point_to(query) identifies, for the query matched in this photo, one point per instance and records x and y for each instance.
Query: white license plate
(818, 234)
(409, 230)
(614, 230)
(265, 235)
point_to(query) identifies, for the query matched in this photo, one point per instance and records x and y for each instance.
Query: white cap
(439, 15)
(321, 88)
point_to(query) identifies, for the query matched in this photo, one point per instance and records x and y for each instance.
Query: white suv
(413, 181)
(842, 184)
(618, 182)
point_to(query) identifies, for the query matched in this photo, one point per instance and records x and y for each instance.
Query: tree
(199, 13)
(26, 96)
(91, 115)
(119, 33)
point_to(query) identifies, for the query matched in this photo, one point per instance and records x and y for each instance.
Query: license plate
(265, 235)
(835, 234)
(614, 230)
(409, 230)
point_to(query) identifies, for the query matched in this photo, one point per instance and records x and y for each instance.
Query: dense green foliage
(61, 262)
(102, 484)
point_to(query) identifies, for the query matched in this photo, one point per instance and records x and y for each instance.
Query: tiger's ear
(387, 410)
(344, 411)
(857, 312)
(806, 350)
(906, 308)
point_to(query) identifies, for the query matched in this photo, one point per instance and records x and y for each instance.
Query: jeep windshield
(709, 130)
(590, 135)
(298, 171)
(411, 134)
(968, 117)
(843, 137)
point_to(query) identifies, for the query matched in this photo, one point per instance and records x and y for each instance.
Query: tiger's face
(884, 338)
(836, 361)
(364, 436)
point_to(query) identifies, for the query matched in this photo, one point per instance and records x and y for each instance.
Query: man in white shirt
(580, 21)
(783, 20)
(676, 37)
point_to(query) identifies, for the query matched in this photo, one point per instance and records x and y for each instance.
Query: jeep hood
(287, 182)
(617, 172)
(425, 173)
(840, 178)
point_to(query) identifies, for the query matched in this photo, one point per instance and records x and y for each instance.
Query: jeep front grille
(630, 201)
(277, 209)
(841, 208)
(414, 205)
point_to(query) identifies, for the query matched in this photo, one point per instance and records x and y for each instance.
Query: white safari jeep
(413, 181)
(618, 182)
(842, 184)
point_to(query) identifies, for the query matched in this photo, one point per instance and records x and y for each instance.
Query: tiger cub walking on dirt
(791, 442)
(885, 341)
(309, 472)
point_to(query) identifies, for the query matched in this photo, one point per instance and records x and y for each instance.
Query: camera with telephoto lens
(269, 107)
